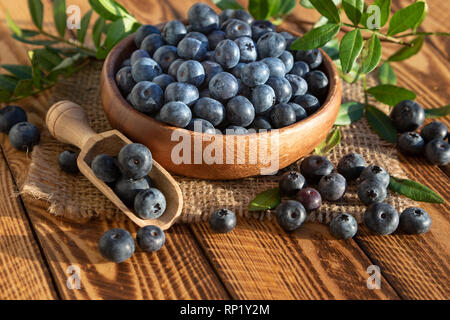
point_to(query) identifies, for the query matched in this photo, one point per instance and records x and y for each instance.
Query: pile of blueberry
(222, 72)
(407, 117)
(380, 218)
(22, 134)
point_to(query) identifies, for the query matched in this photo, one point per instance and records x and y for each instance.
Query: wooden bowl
(234, 156)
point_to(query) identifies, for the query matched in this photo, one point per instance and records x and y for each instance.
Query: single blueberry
(215, 37)
(190, 48)
(163, 80)
(312, 57)
(236, 71)
(291, 182)
(351, 165)
(374, 172)
(255, 73)
(150, 238)
(260, 27)
(24, 136)
(135, 161)
(407, 115)
(174, 31)
(282, 88)
(143, 31)
(145, 69)
(271, 44)
(165, 55)
(237, 28)
(67, 161)
(203, 18)
(146, 97)
(414, 221)
(11, 115)
(276, 66)
(124, 80)
(313, 168)
(222, 221)
(290, 215)
(317, 83)
(261, 123)
(433, 130)
(247, 49)
(411, 143)
(192, 72)
(381, 218)
(182, 92)
(238, 130)
(152, 42)
(310, 198)
(198, 36)
(288, 60)
(437, 152)
(105, 168)
(240, 111)
(298, 84)
(282, 115)
(176, 113)
(127, 189)
(300, 68)
(225, 15)
(332, 187)
(242, 15)
(343, 226)
(209, 109)
(149, 204)
(371, 191)
(310, 103)
(138, 54)
(223, 86)
(125, 63)
(300, 113)
(173, 68)
(116, 245)
(262, 98)
(227, 53)
(201, 125)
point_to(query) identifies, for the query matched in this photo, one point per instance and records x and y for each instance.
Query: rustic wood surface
(255, 261)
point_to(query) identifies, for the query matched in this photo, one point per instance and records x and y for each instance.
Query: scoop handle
(68, 123)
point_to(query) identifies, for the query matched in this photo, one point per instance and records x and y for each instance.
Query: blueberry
(176, 113)
(209, 109)
(149, 204)
(276, 66)
(202, 18)
(144, 31)
(163, 80)
(240, 111)
(317, 83)
(407, 115)
(215, 37)
(236, 71)
(232, 129)
(411, 143)
(237, 28)
(374, 172)
(198, 36)
(192, 72)
(210, 56)
(261, 123)
(11, 115)
(300, 113)
(262, 98)
(190, 48)
(67, 161)
(271, 44)
(289, 38)
(290, 215)
(116, 245)
(313, 168)
(145, 69)
(173, 68)
(174, 31)
(147, 97)
(242, 15)
(24, 136)
(152, 42)
(227, 53)
(288, 60)
(124, 80)
(282, 115)
(225, 15)
(165, 55)
(150, 238)
(282, 88)
(300, 68)
(312, 57)
(247, 49)
(223, 86)
(437, 151)
(310, 198)
(351, 165)
(127, 189)
(298, 84)
(201, 125)
(222, 221)
(125, 63)
(381, 218)
(260, 27)
(414, 221)
(135, 161)
(310, 103)
(105, 168)
(291, 182)
(332, 187)
(433, 130)
(182, 92)
(255, 73)
(343, 226)
(371, 191)
(138, 54)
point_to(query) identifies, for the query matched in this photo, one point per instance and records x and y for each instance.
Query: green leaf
(59, 15)
(36, 72)
(306, 4)
(37, 12)
(350, 48)
(286, 6)
(349, 112)
(424, 15)
(109, 9)
(351, 76)
(27, 33)
(265, 200)
(47, 58)
(371, 54)
(118, 30)
(97, 31)
(316, 38)
(407, 52)
(328, 9)
(331, 140)
(8, 83)
(263, 9)
(21, 72)
(385, 11)
(35, 42)
(67, 63)
(227, 4)
(23, 88)
(387, 74)
(406, 18)
(391, 95)
(437, 112)
(332, 48)
(13, 26)
(84, 25)
(353, 9)
(381, 124)
(414, 190)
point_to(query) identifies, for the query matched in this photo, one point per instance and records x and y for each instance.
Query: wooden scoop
(68, 123)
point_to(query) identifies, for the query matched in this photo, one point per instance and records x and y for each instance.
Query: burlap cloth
(74, 197)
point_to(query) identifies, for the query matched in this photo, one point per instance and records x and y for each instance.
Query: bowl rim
(111, 64)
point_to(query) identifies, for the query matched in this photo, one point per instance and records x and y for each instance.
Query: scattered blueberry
(24, 136)
(105, 168)
(127, 189)
(310, 198)
(407, 115)
(291, 182)
(332, 187)
(222, 221)
(135, 161)
(414, 221)
(351, 165)
(343, 226)
(11, 115)
(290, 215)
(371, 191)
(437, 151)
(434, 130)
(374, 172)
(314, 167)
(149, 204)
(150, 238)
(381, 218)
(116, 245)
(411, 143)
(67, 161)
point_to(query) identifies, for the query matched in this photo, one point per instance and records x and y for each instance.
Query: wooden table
(255, 261)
